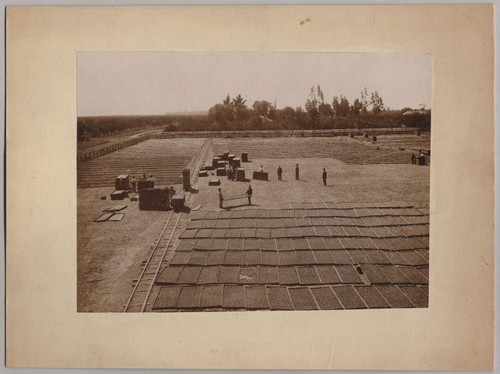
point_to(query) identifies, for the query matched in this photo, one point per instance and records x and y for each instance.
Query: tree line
(97, 126)
(234, 114)
(366, 111)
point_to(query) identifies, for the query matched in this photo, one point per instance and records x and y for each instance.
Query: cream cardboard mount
(43, 328)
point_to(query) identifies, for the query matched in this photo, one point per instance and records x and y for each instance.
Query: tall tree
(221, 113)
(377, 102)
(336, 106)
(341, 108)
(261, 108)
(272, 111)
(312, 105)
(312, 101)
(356, 107)
(238, 100)
(320, 96)
(325, 109)
(364, 100)
(241, 112)
(344, 106)
(301, 118)
(287, 115)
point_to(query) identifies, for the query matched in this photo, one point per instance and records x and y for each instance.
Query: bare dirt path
(110, 253)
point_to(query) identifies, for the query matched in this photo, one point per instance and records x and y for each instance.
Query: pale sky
(134, 83)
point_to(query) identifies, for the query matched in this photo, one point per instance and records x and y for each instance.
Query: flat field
(353, 151)
(163, 158)
(111, 254)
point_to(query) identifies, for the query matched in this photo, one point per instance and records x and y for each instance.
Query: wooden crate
(122, 182)
(236, 162)
(186, 179)
(240, 175)
(261, 175)
(215, 161)
(154, 199)
(119, 195)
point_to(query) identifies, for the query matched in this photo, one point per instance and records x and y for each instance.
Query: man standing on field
(297, 172)
(249, 194)
(324, 176)
(221, 198)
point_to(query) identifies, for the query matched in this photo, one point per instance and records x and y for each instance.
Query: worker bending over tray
(248, 194)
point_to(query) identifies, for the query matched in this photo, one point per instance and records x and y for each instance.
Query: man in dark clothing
(297, 172)
(280, 172)
(221, 198)
(324, 176)
(249, 193)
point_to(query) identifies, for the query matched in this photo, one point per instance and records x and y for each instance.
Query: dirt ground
(346, 183)
(110, 253)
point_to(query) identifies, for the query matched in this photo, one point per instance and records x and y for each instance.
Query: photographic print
(252, 181)
(228, 187)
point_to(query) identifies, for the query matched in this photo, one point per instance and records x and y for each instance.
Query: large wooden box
(122, 182)
(260, 175)
(119, 195)
(186, 179)
(154, 199)
(142, 184)
(236, 162)
(178, 202)
(215, 161)
(240, 174)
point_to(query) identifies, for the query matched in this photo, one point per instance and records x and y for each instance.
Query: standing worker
(249, 193)
(221, 198)
(280, 172)
(324, 176)
(134, 184)
(297, 172)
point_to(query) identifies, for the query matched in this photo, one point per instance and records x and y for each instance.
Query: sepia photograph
(250, 187)
(252, 181)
